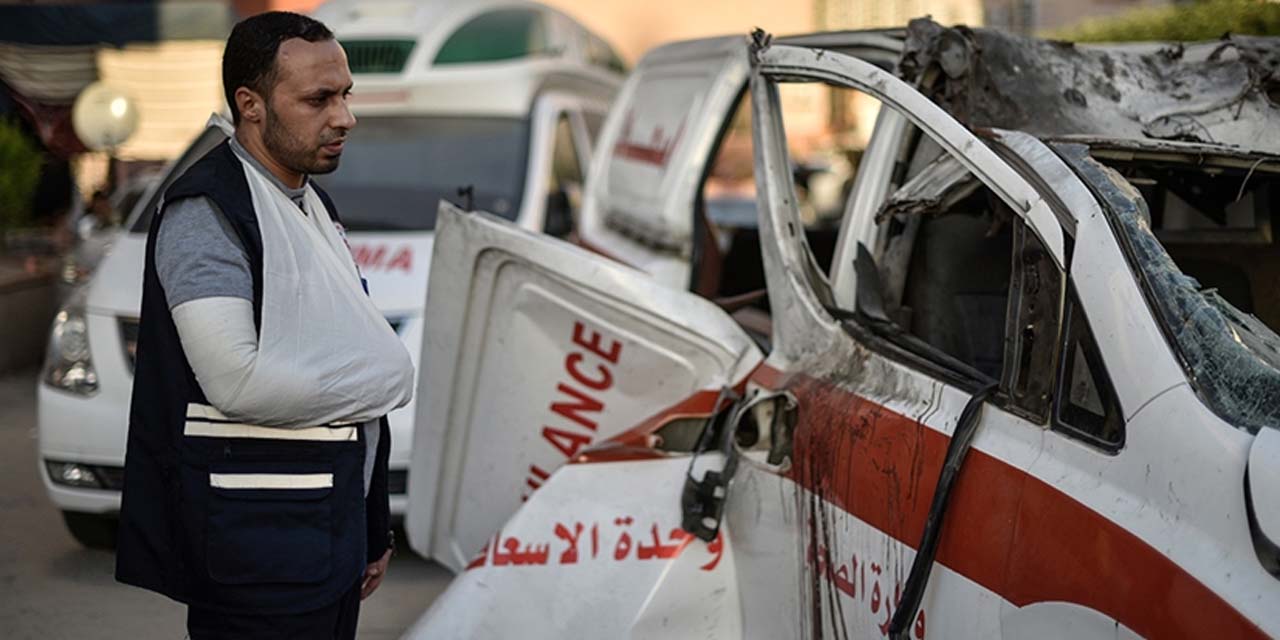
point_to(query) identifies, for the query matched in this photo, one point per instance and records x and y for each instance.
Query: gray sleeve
(199, 255)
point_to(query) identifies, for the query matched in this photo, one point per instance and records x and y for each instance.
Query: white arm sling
(323, 352)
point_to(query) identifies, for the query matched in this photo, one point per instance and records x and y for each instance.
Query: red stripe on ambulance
(1006, 530)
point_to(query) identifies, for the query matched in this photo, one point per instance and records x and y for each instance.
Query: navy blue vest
(254, 550)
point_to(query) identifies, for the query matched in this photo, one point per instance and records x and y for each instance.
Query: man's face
(307, 118)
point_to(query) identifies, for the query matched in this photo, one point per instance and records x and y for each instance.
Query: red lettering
(565, 442)
(571, 365)
(375, 256)
(571, 410)
(592, 344)
(402, 260)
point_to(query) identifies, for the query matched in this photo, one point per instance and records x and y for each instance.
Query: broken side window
(1087, 407)
(827, 129)
(963, 281)
(1211, 283)
(946, 263)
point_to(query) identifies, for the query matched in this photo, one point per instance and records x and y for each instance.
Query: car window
(946, 262)
(566, 168)
(964, 277)
(595, 122)
(395, 170)
(564, 183)
(953, 281)
(827, 129)
(503, 34)
(1196, 230)
(601, 54)
(1087, 405)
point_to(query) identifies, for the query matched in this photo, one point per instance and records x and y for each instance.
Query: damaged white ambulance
(501, 99)
(1025, 385)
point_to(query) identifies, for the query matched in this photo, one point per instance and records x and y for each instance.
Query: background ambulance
(492, 104)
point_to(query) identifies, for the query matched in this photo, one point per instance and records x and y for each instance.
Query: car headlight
(68, 364)
(71, 474)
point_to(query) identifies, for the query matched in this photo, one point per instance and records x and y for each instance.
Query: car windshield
(395, 170)
(1198, 232)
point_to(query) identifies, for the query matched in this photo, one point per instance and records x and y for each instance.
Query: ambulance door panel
(639, 197)
(845, 513)
(535, 349)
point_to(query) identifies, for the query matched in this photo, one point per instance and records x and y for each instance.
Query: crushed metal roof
(1225, 92)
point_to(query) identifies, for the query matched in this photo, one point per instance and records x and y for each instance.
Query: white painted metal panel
(535, 349)
(596, 553)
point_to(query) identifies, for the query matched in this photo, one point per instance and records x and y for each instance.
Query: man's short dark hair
(250, 57)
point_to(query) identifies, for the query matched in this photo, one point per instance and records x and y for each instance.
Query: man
(255, 487)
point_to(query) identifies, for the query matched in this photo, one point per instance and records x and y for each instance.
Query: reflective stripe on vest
(271, 480)
(205, 421)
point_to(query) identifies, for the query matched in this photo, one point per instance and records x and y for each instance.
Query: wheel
(92, 530)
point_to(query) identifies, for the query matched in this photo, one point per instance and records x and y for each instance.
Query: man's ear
(250, 104)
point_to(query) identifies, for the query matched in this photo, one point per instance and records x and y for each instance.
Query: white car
(1005, 406)
(493, 104)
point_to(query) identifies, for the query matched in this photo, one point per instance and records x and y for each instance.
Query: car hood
(116, 288)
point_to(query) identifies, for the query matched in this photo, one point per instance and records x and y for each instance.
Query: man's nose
(343, 119)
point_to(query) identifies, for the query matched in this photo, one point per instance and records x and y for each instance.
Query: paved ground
(53, 588)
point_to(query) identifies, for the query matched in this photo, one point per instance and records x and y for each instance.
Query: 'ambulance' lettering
(588, 369)
(374, 258)
(574, 411)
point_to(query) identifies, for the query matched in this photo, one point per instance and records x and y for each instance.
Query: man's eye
(316, 102)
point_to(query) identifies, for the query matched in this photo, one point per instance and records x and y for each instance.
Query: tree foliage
(20, 162)
(1203, 20)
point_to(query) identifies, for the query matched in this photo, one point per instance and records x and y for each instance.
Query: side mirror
(559, 214)
(1262, 490)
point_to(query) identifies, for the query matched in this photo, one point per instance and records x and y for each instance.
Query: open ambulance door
(534, 350)
(643, 192)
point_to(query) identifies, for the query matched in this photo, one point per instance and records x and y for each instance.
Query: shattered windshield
(1199, 236)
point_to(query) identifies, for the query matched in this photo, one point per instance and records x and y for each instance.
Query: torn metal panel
(1231, 358)
(936, 189)
(1216, 92)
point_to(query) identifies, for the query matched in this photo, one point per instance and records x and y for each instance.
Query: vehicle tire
(92, 530)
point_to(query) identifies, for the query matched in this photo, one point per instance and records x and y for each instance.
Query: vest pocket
(270, 527)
